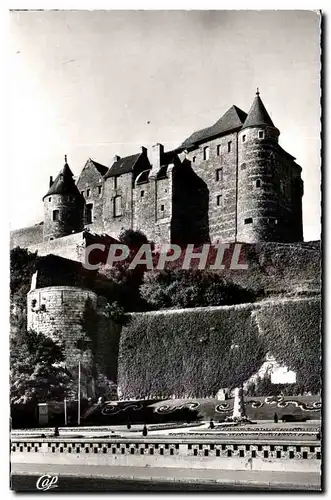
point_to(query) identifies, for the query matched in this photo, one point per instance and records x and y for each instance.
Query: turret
(258, 217)
(63, 206)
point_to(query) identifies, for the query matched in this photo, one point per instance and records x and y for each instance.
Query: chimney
(50, 181)
(143, 150)
(116, 158)
(157, 151)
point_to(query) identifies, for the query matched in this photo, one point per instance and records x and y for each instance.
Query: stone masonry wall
(152, 206)
(91, 186)
(266, 187)
(113, 225)
(70, 219)
(58, 312)
(222, 210)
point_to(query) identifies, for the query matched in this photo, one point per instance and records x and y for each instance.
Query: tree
(128, 280)
(37, 372)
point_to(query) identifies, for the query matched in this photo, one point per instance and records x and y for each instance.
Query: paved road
(74, 484)
(100, 476)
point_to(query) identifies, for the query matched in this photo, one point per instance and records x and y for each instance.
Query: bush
(181, 288)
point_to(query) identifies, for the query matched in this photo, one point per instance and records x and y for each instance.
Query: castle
(231, 182)
(228, 182)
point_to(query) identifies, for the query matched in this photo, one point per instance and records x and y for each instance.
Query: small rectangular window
(244, 138)
(249, 220)
(218, 150)
(115, 182)
(219, 174)
(229, 146)
(117, 206)
(56, 215)
(219, 200)
(162, 208)
(82, 193)
(206, 153)
(99, 189)
(88, 192)
(142, 193)
(89, 213)
(49, 199)
(261, 134)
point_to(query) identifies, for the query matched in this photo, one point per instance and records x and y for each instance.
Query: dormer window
(206, 153)
(261, 134)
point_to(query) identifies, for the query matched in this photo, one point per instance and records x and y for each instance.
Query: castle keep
(228, 182)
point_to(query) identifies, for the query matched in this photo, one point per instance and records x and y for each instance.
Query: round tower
(258, 198)
(63, 206)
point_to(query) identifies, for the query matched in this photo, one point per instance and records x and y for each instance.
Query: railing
(184, 447)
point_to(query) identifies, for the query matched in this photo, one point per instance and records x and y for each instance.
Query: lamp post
(78, 417)
(239, 412)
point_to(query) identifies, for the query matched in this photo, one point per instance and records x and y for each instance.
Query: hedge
(190, 353)
(293, 335)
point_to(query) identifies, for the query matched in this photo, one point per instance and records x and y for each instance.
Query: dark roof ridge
(123, 165)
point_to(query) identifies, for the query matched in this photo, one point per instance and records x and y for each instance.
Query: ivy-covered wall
(195, 352)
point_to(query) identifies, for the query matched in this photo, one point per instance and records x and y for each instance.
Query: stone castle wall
(58, 312)
(70, 215)
(221, 185)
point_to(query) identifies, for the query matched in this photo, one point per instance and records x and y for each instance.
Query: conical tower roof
(64, 182)
(258, 115)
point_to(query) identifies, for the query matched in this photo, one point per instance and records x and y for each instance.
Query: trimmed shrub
(293, 336)
(188, 353)
(197, 352)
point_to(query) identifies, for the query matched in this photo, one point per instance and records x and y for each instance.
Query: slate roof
(123, 165)
(258, 115)
(167, 158)
(231, 120)
(63, 183)
(102, 169)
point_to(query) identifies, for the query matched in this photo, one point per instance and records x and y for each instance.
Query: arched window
(206, 153)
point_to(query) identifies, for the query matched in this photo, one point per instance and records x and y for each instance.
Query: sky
(99, 83)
